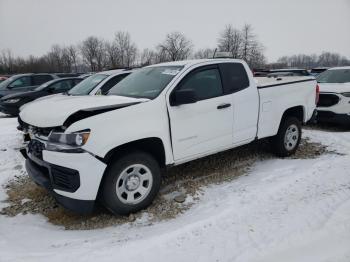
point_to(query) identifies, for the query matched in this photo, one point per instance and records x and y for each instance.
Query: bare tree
(7, 60)
(175, 47)
(74, 56)
(248, 41)
(230, 40)
(204, 53)
(93, 53)
(148, 57)
(126, 49)
(112, 54)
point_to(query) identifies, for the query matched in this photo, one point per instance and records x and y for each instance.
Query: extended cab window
(234, 77)
(205, 82)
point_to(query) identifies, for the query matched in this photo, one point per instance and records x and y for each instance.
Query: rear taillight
(317, 94)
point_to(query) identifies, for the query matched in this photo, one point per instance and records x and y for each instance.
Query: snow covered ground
(282, 210)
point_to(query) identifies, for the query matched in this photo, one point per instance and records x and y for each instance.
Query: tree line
(325, 59)
(97, 54)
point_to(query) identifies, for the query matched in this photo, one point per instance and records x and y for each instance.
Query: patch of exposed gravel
(181, 187)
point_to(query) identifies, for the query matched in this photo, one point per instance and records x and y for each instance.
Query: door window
(21, 82)
(62, 86)
(41, 79)
(205, 82)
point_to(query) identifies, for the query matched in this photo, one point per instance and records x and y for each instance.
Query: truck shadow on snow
(188, 179)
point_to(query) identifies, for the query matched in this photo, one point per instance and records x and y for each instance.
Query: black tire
(109, 193)
(279, 147)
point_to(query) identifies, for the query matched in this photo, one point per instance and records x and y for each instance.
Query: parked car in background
(260, 72)
(318, 70)
(288, 72)
(11, 104)
(334, 102)
(3, 78)
(23, 82)
(96, 84)
(86, 75)
(112, 148)
(100, 83)
(68, 74)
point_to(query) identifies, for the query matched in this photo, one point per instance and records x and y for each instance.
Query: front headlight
(12, 101)
(71, 141)
(347, 94)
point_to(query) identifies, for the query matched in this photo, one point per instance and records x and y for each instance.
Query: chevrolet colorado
(113, 148)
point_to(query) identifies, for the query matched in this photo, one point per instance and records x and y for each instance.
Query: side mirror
(181, 97)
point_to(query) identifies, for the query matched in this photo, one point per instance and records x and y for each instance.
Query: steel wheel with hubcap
(130, 183)
(287, 140)
(291, 137)
(134, 184)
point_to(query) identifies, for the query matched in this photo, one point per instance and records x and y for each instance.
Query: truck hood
(55, 111)
(334, 87)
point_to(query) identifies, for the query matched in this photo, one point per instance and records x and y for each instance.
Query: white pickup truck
(112, 148)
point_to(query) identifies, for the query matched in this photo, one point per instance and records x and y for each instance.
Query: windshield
(5, 83)
(334, 76)
(87, 85)
(146, 82)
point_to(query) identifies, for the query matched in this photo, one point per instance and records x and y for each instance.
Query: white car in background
(100, 83)
(334, 102)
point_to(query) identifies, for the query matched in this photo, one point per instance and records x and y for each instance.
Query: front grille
(327, 100)
(65, 178)
(41, 131)
(36, 148)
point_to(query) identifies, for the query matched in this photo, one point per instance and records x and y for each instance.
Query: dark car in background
(11, 104)
(288, 72)
(318, 70)
(23, 83)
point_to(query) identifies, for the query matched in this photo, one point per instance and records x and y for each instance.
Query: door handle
(222, 106)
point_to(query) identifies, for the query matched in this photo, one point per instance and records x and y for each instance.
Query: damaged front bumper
(72, 178)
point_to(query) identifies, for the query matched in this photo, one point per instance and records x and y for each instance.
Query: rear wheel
(131, 183)
(287, 140)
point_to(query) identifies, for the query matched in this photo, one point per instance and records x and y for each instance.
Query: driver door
(206, 125)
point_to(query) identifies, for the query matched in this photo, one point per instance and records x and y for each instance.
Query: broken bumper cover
(72, 178)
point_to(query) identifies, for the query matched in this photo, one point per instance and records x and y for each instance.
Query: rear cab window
(234, 77)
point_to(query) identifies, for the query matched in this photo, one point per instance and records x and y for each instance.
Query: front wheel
(287, 140)
(131, 183)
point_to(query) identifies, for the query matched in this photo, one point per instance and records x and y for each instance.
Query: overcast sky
(284, 27)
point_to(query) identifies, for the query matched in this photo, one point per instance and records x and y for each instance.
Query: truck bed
(264, 82)
(277, 94)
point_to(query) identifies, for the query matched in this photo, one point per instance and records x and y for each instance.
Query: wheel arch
(295, 111)
(151, 145)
